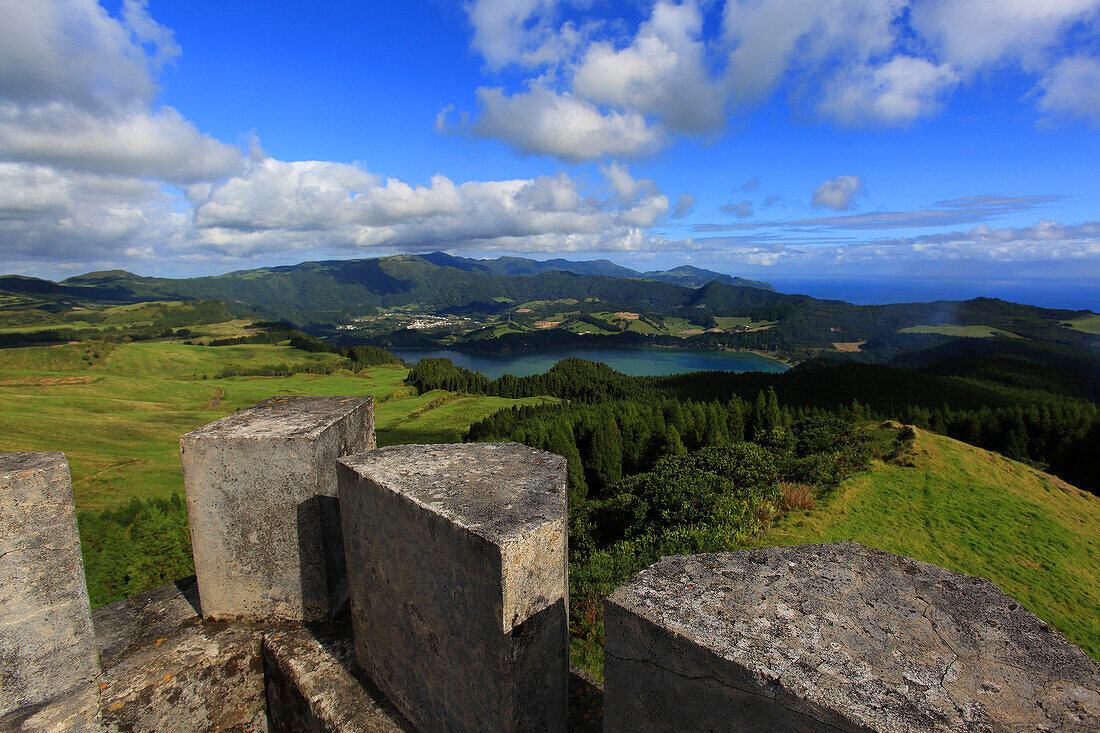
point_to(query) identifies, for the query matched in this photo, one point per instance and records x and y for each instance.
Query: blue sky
(768, 138)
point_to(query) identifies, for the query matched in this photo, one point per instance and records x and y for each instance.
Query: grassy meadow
(1088, 324)
(959, 331)
(117, 411)
(978, 513)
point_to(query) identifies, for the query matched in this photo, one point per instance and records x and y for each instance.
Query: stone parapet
(261, 498)
(834, 637)
(313, 684)
(47, 643)
(458, 558)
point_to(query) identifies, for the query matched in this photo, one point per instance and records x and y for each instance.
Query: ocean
(1074, 295)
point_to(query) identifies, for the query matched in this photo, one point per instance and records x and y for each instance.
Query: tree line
(1046, 424)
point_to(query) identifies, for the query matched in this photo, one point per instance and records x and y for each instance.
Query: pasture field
(1088, 324)
(978, 513)
(959, 331)
(117, 411)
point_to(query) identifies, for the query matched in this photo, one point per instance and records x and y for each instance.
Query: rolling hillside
(976, 512)
(437, 300)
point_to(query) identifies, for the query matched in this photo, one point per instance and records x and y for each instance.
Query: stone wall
(47, 646)
(834, 637)
(454, 558)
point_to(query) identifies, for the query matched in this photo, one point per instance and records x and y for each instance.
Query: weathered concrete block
(313, 685)
(47, 645)
(75, 712)
(834, 637)
(458, 582)
(168, 671)
(261, 498)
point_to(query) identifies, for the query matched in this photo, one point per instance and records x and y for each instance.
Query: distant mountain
(331, 291)
(686, 275)
(535, 304)
(695, 277)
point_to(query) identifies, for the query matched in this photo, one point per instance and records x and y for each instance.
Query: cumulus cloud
(895, 93)
(838, 193)
(859, 62)
(85, 157)
(283, 206)
(974, 33)
(1072, 88)
(663, 72)
(132, 142)
(76, 90)
(542, 121)
(59, 216)
(74, 50)
(521, 32)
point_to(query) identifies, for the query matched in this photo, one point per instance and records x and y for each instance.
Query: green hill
(976, 512)
(375, 300)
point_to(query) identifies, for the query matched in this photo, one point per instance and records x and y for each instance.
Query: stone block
(834, 637)
(165, 670)
(458, 562)
(313, 685)
(261, 498)
(47, 644)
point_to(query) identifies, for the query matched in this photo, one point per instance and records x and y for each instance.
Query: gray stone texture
(47, 645)
(76, 712)
(314, 686)
(261, 498)
(834, 637)
(165, 670)
(458, 562)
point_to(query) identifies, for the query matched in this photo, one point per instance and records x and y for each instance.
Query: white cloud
(520, 32)
(895, 93)
(133, 142)
(880, 62)
(76, 87)
(50, 215)
(663, 72)
(1072, 88)
(773, 38)
(283, 206)
(545, 122)
(74, 50)
(975, 33)
(1015, 251)
(838, 193)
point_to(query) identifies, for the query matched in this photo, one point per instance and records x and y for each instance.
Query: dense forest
(139, 546)
(705, 461)
(665, 476)
(1041, 414)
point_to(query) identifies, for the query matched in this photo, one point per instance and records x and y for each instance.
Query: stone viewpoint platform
(453, 560)
(834, 637)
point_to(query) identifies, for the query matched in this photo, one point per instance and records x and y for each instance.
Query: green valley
(112, 368)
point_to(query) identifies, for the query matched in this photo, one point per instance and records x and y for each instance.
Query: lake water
(634, 361)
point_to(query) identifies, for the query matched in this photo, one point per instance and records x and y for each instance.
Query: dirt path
(214, 403)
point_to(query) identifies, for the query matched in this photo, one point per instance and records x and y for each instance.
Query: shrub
(797, 496)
